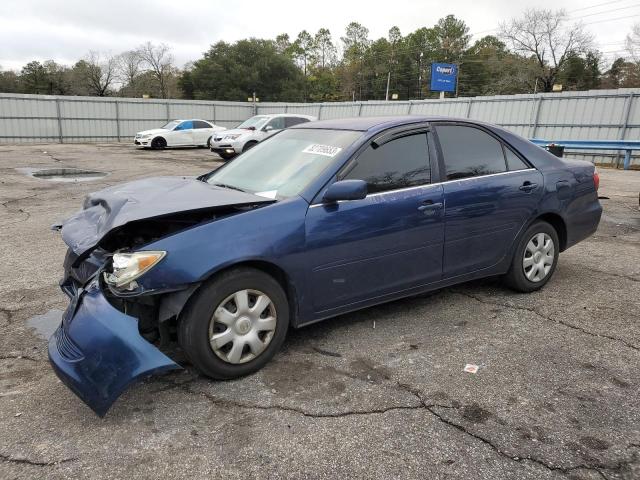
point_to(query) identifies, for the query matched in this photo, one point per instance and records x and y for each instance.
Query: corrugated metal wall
(597, 115)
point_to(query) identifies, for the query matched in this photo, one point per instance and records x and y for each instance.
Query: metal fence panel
(597, 114)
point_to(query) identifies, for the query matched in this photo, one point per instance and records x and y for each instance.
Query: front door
(390, 241)
(489, 194)
(182, 134)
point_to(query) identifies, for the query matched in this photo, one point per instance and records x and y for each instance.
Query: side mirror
(267, 128)
(346, 190)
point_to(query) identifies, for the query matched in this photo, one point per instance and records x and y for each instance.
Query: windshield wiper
(224, 185)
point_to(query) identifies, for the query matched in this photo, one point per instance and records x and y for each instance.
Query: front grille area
(67, 349)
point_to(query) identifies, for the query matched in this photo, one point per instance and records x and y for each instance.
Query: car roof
(364, 124)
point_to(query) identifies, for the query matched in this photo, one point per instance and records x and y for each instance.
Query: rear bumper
(584, 223)
(98, 352)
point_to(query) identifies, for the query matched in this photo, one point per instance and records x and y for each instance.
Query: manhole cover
(65, 174)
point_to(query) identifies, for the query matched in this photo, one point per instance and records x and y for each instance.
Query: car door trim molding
(425, 186)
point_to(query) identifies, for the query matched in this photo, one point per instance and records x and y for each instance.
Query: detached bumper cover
(98, 352)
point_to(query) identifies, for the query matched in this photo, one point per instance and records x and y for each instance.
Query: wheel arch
(558, 223)
(271, 269)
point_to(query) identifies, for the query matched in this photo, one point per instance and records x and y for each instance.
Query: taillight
(596, 179)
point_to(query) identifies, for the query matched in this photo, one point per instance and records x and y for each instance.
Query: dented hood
(113, 207)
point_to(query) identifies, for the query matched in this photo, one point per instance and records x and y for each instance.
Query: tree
(549, 38)
(100, 73)
(283, 44)
(129, 67)
(581, 73)
(159, 61)
(9, 81)
(235, 71)
(632, 42)
(33, 77)
(324, 49)
(355, 44)
(451, 39)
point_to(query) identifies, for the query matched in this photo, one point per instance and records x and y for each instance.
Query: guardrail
(627, 146)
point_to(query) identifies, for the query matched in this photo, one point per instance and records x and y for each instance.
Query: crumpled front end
(98, 351)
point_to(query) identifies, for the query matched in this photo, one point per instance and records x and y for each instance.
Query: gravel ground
(379, 393)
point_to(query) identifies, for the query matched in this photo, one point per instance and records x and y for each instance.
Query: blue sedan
(319, 220)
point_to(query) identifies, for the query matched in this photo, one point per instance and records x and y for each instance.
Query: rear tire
(158, 143)
(213, 317)
(535, 258)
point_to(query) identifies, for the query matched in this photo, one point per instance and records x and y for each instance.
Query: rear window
(469, 152)
(291, 121)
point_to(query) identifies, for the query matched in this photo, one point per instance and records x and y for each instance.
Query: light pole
(420, 76)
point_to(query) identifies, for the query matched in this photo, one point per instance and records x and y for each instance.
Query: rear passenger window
(400, 163)
(514, 162)
(201, 124)
(291, 121)
(469, 152)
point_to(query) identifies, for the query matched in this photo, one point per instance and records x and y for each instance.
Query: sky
(66, 30)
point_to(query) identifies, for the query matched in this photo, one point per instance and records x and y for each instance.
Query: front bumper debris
(98, 352)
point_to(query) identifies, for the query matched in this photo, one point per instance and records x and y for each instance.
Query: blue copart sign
(443, 77)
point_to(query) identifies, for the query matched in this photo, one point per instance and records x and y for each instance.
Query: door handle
(429, 205)
(528, 186)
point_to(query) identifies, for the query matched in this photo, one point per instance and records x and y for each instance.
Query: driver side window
(400, 163)
(276, 123)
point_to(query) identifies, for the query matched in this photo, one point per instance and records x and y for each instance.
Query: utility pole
(420, 77)
(386, 97)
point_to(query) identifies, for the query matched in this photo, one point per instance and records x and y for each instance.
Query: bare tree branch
(549, 38)
(159, 60)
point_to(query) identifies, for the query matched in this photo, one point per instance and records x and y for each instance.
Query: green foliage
(307, 67)
(235, 71)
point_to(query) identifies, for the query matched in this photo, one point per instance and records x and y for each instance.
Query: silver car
(230, 143)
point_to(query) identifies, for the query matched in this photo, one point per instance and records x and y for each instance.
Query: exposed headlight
(129, 266)
(233, 136)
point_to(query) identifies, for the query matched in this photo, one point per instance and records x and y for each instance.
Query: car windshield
(285, 164)
(171, 125)
(257, 122)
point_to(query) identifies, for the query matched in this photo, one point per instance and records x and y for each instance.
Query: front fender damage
(98, 352)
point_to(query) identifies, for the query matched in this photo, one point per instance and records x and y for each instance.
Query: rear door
(201, 132)
(490, 192)
(387, 242)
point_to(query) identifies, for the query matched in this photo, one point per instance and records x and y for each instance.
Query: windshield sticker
(268, 193)
(326, 150)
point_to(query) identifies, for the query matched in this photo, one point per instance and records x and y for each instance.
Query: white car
(178, 133)
(230, 143)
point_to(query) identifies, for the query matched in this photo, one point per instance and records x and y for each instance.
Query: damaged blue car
(321, 219)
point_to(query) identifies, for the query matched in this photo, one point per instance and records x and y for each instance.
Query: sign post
(444, 77)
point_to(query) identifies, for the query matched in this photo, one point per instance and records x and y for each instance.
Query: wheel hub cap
(539, 255)
(242, 326)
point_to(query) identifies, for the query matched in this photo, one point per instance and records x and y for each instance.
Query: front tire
(535, 258)
(249, 145)
(158, 143)
(234, 324)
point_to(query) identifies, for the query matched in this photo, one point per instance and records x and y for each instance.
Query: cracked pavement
(379, 393)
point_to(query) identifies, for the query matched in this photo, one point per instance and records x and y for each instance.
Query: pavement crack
(18, 357)
(548, 318)
(234, 403)
(37, 463)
